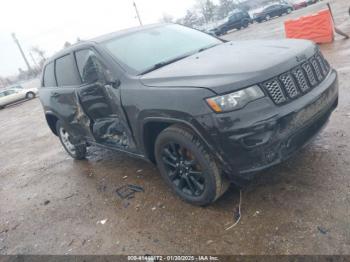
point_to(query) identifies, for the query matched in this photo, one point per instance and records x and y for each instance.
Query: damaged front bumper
(262, 134)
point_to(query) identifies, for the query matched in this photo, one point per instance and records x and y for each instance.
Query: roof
(102, 38)
(124, 32)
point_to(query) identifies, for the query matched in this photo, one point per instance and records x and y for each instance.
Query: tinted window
(239, 15)
(65, 72)
(9, 92)
(89, 66)
(49, 76)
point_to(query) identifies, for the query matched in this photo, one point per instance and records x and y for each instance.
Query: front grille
(298, 81)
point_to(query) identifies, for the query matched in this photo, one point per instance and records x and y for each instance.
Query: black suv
(206, 112)
(238, 19)
(272, 11)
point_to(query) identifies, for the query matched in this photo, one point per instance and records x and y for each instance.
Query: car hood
(232, 65)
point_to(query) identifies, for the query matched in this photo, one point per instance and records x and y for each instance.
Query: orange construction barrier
(317, 27)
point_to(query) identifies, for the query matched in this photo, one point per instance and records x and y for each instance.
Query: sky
(48, 24)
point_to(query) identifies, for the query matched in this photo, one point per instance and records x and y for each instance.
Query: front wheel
(30, 95)
(268, 17)
(188, 168)
(245, 23)
(75, 150)
(289, 11)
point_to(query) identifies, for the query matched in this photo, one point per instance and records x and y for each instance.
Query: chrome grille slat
(298, 81)
(290, 86)
(275, 91)
(310, 74)
(301, 79)
(322, 64)
(317, 70)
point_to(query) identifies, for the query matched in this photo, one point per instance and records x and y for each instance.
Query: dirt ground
(51, 204)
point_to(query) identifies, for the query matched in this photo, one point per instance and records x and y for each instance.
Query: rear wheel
(245, 23)
(187, 167)
(30, 95)
(289, 10)
(75, 150)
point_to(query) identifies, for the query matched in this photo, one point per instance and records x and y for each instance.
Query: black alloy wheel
(183, 169)
(188, 167)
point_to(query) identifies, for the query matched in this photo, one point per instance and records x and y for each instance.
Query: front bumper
(262, 134)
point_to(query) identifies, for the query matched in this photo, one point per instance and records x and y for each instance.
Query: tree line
(206, 11)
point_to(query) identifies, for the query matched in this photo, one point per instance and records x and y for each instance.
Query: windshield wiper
(205, 48)
(161, 64)
(164, 63)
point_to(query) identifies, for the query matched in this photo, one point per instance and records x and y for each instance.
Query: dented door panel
(103, 111)
(66, 102)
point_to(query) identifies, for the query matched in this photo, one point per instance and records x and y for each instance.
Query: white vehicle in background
(15, 94)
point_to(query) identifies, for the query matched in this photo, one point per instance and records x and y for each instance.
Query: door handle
(55, 94)
(113, 84)
(110, 86)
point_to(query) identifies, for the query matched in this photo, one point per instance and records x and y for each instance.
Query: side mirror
(114, 83)
(110, 79)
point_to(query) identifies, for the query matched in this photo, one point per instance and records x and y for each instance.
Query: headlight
(235, 100)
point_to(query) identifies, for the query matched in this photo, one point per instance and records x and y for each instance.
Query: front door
(12, 96)
(99, 97)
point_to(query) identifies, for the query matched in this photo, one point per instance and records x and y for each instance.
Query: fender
(211, 148)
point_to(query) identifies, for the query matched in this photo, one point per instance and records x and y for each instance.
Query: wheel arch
(51, 120)
(30, 92)
(152, 127)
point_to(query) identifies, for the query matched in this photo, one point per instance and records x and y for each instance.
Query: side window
(49, 75)
(89, 66)
(65, 72)
(9, 92)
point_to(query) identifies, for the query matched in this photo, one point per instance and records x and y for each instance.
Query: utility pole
(137, 13)
(22, 53)
(32, 57)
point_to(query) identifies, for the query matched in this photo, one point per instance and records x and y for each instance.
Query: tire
(30, 95)
(76, 151)
(2, 107)
(187, 151)
(245, 23)
(267, 18)
(289, 11)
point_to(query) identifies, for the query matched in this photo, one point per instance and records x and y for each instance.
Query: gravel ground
(51, 204)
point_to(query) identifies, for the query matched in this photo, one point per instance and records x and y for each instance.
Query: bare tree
(67, 44)
(225, 7)
(207, 9)
(167, 19)
(191, 19)
(39, 52)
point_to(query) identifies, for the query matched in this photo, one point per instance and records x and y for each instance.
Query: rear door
(11, 96)
(269, 11)
(235, 21)
(4, 98)
(99, 95)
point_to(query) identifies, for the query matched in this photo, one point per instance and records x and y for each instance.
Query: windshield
(145, 49)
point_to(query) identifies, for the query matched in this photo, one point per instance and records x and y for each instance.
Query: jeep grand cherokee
(205, 111)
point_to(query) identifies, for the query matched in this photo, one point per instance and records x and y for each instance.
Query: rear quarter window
(49, 75)
(66, 72)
